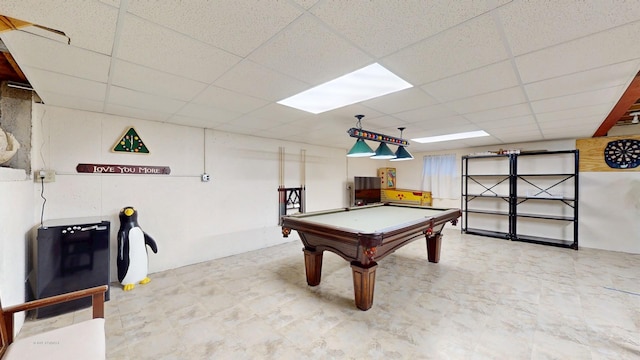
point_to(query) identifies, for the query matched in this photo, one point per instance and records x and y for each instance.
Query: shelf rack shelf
(536, 199)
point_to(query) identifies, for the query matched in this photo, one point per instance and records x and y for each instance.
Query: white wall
(16, 222)
(191, 221)
(610, 211)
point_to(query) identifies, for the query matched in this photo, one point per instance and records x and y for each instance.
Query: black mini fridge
(69, 255)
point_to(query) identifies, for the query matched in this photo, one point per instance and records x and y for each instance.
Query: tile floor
(486, 299)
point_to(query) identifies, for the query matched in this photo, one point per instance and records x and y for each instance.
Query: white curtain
(439, 175)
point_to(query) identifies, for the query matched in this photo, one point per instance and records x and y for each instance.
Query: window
(440, 177)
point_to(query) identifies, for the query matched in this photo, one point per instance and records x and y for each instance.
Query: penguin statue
(132, 250)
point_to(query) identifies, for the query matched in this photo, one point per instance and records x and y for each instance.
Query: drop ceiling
(519, 70)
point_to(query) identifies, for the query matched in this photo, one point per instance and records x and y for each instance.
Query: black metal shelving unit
(490, 191)
(529, 199)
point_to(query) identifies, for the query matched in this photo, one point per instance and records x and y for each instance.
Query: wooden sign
(609, 153)
(123, 169)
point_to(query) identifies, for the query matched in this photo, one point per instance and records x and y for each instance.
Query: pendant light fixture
(360, 148)
(402, 153)
(383, 152)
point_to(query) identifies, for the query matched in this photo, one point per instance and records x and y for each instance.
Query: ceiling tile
(254, 80)
(136, 113)
(486, 79)
(195, 122)
(251, 122)
(153, 46)
(556, 22)
(481, 141)
(389, 25)
(346, 114)
(599, 78)
(471, 45)
(208, 123)
(150, 81)
(315, 124)
(610, 47)
(505, 112)
(228, 100)
(237, 128)
(114, 3)
(588, 121)
(89, 24)
(382, 124)
(238, 27)
(307, 4)
(405, 100)
(284, 131)
(511, 122)
(130, 98)
(521, 137)
(70, 102)
(602, 96)
(496, 99)
(561, 132)
(445, 122)
(575, 113)
(207, 112)
(292, 129)
(434, 112)
(49, 82)
(308, 51)
(525, 128)
(29, 51)
(279, 114)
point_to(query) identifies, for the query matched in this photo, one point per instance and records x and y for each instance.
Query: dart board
(622, 154)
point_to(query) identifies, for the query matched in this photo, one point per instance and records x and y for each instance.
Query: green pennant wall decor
(130, 142)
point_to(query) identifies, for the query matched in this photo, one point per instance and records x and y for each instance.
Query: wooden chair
(84, 340)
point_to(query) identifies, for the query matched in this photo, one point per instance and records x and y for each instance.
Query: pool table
(363, 235)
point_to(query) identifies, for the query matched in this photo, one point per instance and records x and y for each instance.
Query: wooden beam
(15, 67)
(628, 98)
(8, 23)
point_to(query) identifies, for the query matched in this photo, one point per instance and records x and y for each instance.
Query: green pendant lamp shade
(360, 149)
(402, 154)
(383, 152)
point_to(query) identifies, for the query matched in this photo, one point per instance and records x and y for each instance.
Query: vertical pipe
(576, 172)
(303, 165)
(282, 201)
(204, 150)
(281, 166)
(303, 179)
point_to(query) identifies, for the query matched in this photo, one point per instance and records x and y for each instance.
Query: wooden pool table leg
(364, 280)
(433, 247)
(313, 266)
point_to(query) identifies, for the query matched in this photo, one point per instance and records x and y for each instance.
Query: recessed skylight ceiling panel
(449, 137)
(363, 84)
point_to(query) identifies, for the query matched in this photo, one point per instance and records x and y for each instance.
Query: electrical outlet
(44, 176)
(205, 177)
